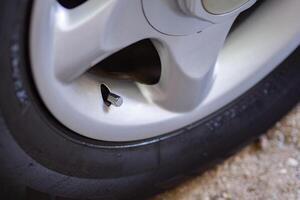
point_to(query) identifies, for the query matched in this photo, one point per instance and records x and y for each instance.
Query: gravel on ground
(267, 169)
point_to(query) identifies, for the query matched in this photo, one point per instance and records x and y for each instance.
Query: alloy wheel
(202, 66)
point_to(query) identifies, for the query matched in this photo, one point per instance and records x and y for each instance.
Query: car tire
(38, 152)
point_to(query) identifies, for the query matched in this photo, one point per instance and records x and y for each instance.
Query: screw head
(110, 98)
(115, 99)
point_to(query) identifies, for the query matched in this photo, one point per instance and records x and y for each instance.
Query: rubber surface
(37, 151)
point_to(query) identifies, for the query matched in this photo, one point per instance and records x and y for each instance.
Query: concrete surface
(268, 169)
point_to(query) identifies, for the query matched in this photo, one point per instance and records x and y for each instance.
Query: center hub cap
(186, 17)
(167, 17)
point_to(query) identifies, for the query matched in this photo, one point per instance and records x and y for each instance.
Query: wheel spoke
(93, 31)
(187, 68)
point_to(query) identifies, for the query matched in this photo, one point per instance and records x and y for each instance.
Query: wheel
(123, 99)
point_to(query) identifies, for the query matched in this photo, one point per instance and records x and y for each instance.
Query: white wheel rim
(60, 55)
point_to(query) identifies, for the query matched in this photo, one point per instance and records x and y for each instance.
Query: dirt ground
(268, 169)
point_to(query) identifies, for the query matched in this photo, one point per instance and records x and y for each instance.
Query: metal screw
(110, 98)
(115, 100)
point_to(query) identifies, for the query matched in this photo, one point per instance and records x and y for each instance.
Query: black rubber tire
(38, 152)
